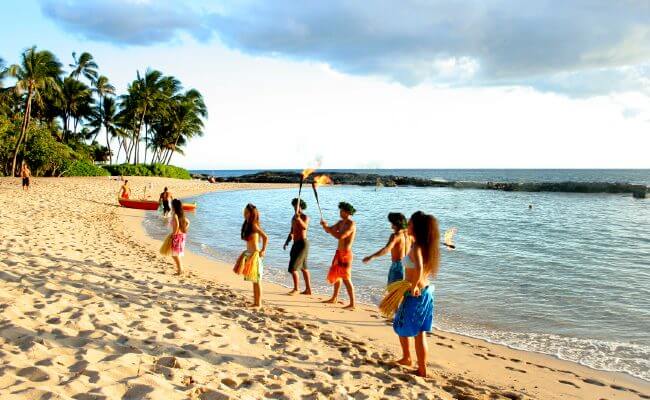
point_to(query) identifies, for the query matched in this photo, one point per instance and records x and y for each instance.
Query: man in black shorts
(25, 173)
(166, 200)
(300, 247)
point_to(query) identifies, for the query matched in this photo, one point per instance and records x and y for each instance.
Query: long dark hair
(427, 239)
(249, 222)
(177, 206)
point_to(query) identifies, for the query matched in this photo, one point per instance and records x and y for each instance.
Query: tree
(37, 71)
(102, 88)
(75, 102)
(84, 65)
(106, 117)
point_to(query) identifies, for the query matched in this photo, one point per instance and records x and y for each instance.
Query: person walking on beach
(25, 174)
(415, 313)
(180, 225)
(165, 200)
(250, 262)
(341, 270)
(398, 245)
(300, 248)
(125, 190)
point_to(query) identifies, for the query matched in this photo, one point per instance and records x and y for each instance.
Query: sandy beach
(90, 310)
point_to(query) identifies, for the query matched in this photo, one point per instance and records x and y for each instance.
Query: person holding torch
(300, 248)
(341, 270)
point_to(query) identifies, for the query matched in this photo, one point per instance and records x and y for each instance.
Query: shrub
(167, 171)
(84, 168)
(46, 156)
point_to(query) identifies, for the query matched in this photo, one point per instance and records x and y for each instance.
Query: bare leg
(350, 288)
(421, 351)
(179, 268)
(294, 276)
(257, 295)
(406, 352)
(305, 275)
(335, 294)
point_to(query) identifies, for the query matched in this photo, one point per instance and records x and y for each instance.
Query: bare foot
(293, 292)
(404, 361)
(329, 301)
(307, 292)
(253, 305)
(349, 307)
(420, 373)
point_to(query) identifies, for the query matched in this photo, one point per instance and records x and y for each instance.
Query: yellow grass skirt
(393, 297)
(166, 247)
(249, 266)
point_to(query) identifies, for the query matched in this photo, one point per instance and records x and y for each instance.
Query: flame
(306, 172)
(449, 237)
(322, 180)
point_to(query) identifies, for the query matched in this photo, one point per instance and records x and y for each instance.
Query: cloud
(126, 22)
(582, 47)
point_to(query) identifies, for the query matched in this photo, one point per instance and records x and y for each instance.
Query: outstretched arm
(392, 241)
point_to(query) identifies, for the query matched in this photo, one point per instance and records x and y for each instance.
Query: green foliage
(84, 168)
(167, 171)
(44, 154)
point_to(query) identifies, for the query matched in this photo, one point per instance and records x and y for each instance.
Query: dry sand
(90, 310)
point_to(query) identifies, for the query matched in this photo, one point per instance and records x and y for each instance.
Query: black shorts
(26, 182)
(298, 255)
(166, 207)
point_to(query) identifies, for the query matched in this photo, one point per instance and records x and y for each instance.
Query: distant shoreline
(371, 179)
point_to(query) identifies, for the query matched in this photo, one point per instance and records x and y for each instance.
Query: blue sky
(423, 84)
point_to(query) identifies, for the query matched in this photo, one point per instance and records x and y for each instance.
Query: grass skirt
(249, 266)
(393, 297)
(166, 247)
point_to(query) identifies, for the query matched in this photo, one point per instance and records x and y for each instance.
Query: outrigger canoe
(150, 205)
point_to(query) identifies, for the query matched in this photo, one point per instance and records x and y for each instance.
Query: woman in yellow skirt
(250, 262)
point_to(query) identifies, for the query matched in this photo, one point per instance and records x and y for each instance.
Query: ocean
(569, 277)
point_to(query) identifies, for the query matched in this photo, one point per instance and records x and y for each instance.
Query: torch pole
(299, 191)
(313, 186)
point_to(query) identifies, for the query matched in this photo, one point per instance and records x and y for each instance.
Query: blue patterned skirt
(415, 314)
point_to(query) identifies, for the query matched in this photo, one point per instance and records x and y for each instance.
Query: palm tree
(106, 117)
(37, 71)
(75, 102)
(144, 94)
(103, 88)
(84, 65)
(184, 121)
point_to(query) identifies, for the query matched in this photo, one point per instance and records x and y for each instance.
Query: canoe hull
(150, 205)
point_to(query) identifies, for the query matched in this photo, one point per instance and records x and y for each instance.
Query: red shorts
(341, 266)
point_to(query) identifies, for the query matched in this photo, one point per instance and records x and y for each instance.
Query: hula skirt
(341, 266)
(166, 247)
(395, 293)
(250, 266)
(415, 314)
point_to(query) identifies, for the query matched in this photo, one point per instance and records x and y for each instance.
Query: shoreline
(204, 259)
(115, 322)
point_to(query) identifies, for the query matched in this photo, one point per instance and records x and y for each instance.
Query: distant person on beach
(300, 248)
(25, 174)
(165, 200)
(250, 262)
(125, 190)
(180, 225)
(341, 270)
(415, 313)
(398, 245)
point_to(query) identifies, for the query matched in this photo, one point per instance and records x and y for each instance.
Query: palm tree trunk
(23, 130)
(119, 149)
(100, 111)
(108, 146)
(144, 112)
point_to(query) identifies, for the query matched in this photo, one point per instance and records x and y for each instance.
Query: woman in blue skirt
(415, 314)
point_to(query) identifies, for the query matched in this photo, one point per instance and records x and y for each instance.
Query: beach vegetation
(153, 120)
(156, 169)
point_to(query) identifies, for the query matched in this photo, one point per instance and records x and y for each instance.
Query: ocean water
(571, 277)
(635, 176)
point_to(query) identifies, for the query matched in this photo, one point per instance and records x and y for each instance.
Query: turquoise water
(571, 277)
(636, 176)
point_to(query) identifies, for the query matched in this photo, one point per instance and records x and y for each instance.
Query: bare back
(401, 246)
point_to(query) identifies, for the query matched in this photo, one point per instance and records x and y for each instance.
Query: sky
(381, 84)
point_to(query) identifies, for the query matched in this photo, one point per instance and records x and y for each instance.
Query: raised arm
(392, 241)
(301, 223)
(342, 234)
